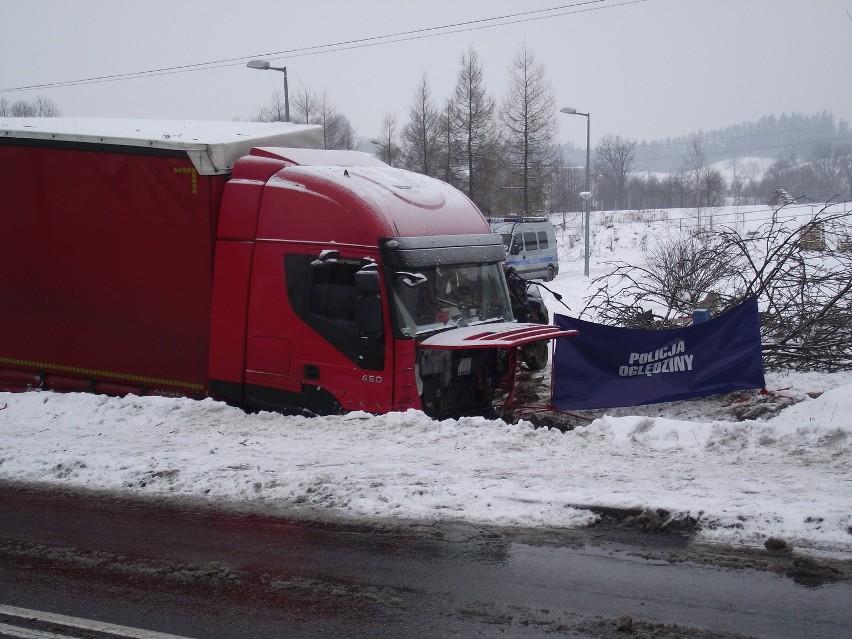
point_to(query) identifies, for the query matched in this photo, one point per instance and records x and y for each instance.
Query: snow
(213, 147)
(785, 476)
(146, 131)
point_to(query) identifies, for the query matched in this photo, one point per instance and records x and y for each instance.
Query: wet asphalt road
(211, 575)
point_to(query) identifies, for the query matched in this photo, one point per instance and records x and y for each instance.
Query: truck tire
(549, 274)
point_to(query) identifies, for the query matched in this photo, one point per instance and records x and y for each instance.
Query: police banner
(605, 366)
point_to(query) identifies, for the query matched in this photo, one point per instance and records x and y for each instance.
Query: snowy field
(785, 476)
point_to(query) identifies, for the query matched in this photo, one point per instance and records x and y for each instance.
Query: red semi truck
(239, 261)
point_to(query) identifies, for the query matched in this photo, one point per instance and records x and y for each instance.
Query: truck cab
(353, 301)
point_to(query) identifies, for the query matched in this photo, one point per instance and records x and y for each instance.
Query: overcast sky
(642, 68)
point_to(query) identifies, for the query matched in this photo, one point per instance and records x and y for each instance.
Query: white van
(530, 244)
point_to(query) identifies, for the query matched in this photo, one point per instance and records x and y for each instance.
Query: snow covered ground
(786, 476)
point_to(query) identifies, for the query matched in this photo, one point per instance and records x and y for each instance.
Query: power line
(403, 36)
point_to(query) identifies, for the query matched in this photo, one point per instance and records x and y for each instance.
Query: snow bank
(786, 477)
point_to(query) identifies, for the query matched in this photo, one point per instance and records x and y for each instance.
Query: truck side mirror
(368, 316)
(368, 304)
(367, 281)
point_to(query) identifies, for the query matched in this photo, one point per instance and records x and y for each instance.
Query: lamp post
(586, 195)
(264, 65)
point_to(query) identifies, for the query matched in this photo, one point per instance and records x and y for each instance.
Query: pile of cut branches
(800, 273)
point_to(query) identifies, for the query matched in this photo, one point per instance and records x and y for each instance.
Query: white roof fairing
(213, 147)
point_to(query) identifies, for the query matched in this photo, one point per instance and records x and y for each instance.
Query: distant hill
(770, 137)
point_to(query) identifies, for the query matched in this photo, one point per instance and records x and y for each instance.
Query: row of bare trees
(501, 154)
(312, 108)
(38, 108)
(822, 175)
(505, 156)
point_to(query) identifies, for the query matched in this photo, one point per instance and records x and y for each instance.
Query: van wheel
(549, 274)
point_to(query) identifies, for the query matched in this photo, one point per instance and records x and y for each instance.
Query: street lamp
(588, 192)
(264, 65)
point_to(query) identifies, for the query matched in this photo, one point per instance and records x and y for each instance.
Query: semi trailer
(240, 261)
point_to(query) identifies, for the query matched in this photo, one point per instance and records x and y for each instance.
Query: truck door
(316, 333)
(343, 351)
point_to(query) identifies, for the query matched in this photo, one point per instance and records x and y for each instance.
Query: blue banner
(605, 366)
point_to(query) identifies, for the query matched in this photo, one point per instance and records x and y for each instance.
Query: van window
(530, 242)
(542, 239)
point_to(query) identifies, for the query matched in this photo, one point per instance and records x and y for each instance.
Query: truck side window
(333, 293)
(542, 240)
(530, 241)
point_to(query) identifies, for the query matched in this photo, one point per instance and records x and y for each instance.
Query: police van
(530, 244)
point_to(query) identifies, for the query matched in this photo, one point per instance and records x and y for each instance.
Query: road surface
(140, 567)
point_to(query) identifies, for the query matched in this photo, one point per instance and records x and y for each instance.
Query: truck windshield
(437, 297)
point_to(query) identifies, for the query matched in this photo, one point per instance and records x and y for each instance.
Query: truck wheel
(548, 276)
(535, 355)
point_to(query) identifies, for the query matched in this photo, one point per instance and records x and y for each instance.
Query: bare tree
(337, 132)
(449, 147)
(807, 321)
(678, 271)
(827, 170)
(706, 183)
(473, 123)
(310, 108)
(845, 162)
(39, 108)
(306, 105)
(567, 184)
(743, 182)
(713, 189)
(493, 176)
(529, 122)
(805, 295)
(421, 136)
(614, 163)
(46, 108)
(274, 110)
(387, 143)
